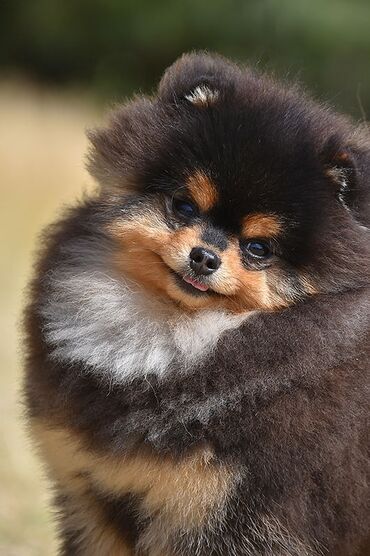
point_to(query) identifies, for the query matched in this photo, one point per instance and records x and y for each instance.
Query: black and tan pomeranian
(198, 349)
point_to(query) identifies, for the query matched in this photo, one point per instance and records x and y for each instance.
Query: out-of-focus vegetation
(56, 58)
(116, 46)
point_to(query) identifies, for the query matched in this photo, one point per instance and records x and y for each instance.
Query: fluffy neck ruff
(119, 332)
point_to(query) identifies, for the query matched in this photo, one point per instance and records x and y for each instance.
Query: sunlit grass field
(42, 145)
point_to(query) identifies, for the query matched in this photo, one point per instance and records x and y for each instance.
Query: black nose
(203, 261)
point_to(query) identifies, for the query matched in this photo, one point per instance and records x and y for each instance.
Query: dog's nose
(203, 261)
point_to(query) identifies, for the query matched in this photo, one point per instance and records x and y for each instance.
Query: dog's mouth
(195, 283)
(191, 285)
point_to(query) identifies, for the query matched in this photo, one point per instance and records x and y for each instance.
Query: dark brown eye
(258, 249)
(184, 208)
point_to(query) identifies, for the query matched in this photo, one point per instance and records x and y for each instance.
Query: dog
(197, 333)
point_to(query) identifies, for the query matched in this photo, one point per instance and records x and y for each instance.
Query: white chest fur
(119, 332)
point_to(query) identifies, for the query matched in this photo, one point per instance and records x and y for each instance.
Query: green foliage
(117, 46)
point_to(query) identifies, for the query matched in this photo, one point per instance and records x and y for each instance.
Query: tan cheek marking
(202, 190)
(261, 225)
(227, 278)
(184, 491)
(241, 290)
(140, 240)
(244, 289)
(149, 230)
(147, 248)
(176, 250)
(144, 267)
(145, 257)
(255, 284)
(253, 292)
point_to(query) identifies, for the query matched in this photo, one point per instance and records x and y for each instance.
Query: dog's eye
(184, 208)
(258, 249)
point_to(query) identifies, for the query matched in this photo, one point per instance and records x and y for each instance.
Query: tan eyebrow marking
(202, 190)
(261, 224)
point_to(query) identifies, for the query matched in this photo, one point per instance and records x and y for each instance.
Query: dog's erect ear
(339, 166)
(200, 79)
(348, 168)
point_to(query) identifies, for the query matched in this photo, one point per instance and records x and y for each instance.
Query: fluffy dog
(197, 335)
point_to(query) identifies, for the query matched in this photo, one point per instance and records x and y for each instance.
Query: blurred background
(62, 63)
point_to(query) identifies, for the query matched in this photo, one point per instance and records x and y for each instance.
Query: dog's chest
(118, 332)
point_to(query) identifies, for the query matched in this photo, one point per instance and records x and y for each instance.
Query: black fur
(214, 237)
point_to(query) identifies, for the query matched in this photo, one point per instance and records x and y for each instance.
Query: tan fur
(202, 191)
(141, 240)
(149, 252)
(150, 249)
(68, 467)
(145, 267)
(183, 492)
(246, 289)
(261, 225)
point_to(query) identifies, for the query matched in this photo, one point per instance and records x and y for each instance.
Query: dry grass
(42, 144)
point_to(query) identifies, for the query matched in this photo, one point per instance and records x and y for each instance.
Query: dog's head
(229, 190)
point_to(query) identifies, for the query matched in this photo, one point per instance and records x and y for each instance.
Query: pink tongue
(196, 284)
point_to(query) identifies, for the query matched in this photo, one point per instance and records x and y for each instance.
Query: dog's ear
(199, 78)
(348, 168)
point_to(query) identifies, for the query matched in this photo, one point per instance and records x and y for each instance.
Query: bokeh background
(62, 63)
